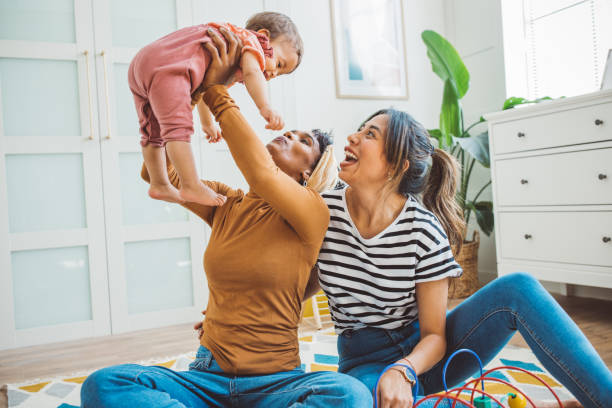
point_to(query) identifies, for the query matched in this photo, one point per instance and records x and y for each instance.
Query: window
(555, 47)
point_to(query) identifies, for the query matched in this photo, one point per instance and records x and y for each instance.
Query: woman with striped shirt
(385, 263)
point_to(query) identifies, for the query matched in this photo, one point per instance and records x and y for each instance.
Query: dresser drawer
(562, 237)
(574, 178)
(555, 129)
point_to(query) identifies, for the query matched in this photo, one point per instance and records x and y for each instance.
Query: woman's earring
(304, 183)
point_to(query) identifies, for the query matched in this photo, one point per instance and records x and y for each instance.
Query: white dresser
(551, 167)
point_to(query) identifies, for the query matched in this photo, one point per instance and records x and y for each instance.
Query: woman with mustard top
(258, 262)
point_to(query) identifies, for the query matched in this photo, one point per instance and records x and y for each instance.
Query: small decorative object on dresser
(551, 166)
(606, 80)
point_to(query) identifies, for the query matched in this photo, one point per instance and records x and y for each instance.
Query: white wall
(474, 27)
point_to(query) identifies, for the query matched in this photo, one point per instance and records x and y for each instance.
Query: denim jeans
(206, 385)
(484, 323)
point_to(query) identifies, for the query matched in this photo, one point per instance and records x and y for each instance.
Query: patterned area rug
(318, 353)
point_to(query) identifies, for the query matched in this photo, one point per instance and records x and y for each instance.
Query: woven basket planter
(468, 283)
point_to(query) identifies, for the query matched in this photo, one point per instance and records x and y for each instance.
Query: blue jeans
(484, 323)
(206, 385)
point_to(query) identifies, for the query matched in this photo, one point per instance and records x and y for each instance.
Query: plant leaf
(450, 115)
(484, 215)
(477, 146)
(544, 98)
(513, 101)
(446, 62)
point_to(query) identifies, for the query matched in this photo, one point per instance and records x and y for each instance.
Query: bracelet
(409, 363)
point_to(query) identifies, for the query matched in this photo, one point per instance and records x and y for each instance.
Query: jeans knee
(518, 284)
(356, 393)
(97, 383)
(91, 388)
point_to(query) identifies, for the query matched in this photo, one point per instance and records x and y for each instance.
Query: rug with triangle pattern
(317, 352)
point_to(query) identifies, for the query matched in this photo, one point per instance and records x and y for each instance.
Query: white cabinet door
(53, 272)
(155, 248)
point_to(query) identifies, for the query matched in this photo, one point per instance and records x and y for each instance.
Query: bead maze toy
(516, 399)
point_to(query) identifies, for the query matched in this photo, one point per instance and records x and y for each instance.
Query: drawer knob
(602, 176)
(598, 122)
(523, 181)
(521, 134)
(527, 236)
(606, 239)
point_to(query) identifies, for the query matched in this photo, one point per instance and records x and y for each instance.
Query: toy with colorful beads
(516, 399)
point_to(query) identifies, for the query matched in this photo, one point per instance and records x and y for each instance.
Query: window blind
(566, 42)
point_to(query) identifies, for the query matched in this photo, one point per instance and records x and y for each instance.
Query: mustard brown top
(262, 247)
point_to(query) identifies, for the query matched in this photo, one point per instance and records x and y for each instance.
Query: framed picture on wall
(369, 50)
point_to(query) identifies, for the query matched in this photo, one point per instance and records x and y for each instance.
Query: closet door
(155, 248)
(53, 272)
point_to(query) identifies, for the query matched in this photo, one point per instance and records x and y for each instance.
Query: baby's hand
(275, 122)
(212, 133)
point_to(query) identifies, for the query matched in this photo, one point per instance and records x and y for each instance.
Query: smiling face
(365, 162)
(295, 153)
(284, 58)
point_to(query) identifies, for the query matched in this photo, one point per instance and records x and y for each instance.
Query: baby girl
(165, 78)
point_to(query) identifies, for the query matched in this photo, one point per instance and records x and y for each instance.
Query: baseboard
(578, 290)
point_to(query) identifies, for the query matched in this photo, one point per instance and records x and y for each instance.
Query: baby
(165, 79)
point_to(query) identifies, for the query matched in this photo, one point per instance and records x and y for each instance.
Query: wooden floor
(594, 317)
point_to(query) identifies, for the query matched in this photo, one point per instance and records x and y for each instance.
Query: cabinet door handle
(520, 134)
(602, 176)
(598, 122)
(108, 122)
(91, 127)
(527, 236)
(606, 239)
(523, 181)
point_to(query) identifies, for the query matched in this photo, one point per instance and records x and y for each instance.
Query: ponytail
(439, 196)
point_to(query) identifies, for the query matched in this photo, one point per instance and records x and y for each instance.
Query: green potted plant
(457, 139)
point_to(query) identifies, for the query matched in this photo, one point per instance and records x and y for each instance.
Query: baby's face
(284, 60)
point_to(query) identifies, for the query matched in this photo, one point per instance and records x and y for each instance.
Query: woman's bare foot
(201, 194)
(165, 192)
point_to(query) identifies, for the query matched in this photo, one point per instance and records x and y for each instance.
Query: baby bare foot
(165, 192)
(201, 194)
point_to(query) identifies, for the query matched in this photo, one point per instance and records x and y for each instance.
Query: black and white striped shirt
(371, 282)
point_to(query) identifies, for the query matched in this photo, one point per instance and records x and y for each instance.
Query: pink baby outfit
(164, 75)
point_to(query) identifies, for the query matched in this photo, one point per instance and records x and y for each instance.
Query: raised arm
(254, 80)
(213, 135)
(255, 83)
(301, 207)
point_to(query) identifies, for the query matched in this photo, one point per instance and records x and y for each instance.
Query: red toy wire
(476, 380)
(531, 374)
